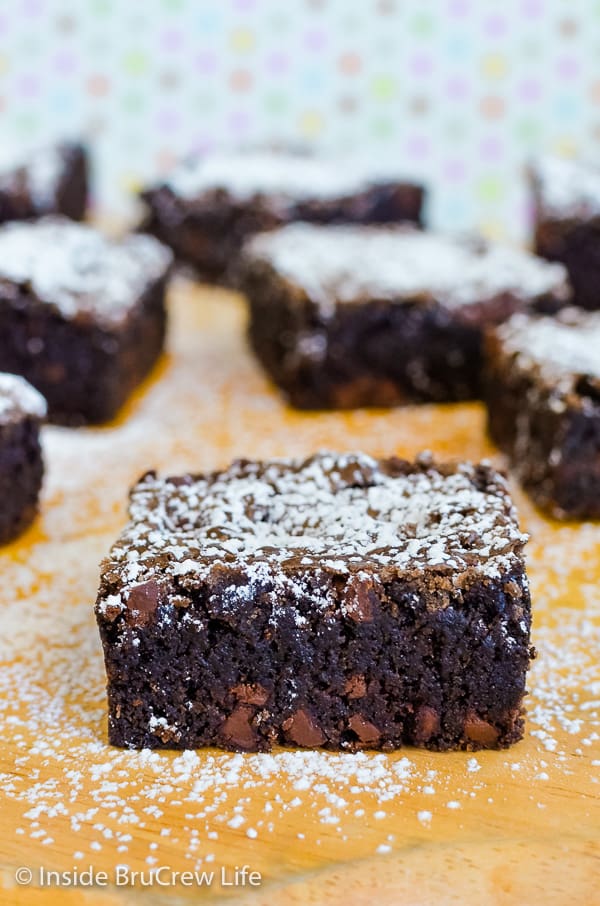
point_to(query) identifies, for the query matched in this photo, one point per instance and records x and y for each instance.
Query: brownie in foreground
(82, 317)
(543, 398)
(347, 316)
(340, 601)
(22, 409)
(566, 197)
(51, 180)
(208, 206)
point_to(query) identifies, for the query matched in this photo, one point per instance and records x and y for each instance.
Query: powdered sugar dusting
(19, 399)
(336, 512)
(567, 187)
(244, 174)
(41, 171)
(75, 268)
(562, 347)
(349, 263)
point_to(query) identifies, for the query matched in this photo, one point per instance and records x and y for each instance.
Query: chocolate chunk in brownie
(52, 180)
(351, 316)
(543, 397)
(82, 317)
(338, 601)
(208, 206)
(567, 221)
(22, 409)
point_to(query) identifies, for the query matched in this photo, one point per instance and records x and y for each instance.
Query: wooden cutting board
(518, 826)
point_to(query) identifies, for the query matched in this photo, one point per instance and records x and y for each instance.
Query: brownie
(52, 180)
(209, 205)
(341, 602)
(566, 197)
(82, 317)
(22, 409)
(348, 316)
(543, 397)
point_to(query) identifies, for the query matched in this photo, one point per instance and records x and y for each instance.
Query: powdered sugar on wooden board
(69, 798)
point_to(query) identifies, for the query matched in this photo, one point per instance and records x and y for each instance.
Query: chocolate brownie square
(22, 409)
(208, 206)
(82, 317)
(566, 197)
(52, 180)
(543, 397)
(339, 601)
(348, 316)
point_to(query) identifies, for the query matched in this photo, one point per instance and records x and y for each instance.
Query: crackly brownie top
(561, 349)
(18, 400)
(293, 176)
(341, 513)
(350, 263)
(78, 270)
(567, 187)
(39, 174)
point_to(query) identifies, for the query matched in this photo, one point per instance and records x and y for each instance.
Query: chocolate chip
(166, 734)
(355, 473)
(237, 729)
(142, 601)
(364, 729)
(427, 723)
(355, 686)
(251, 693)
(480, 731)
(513, 589)
(110, 612)
(177, 481)
(358, 600)
(302, 729)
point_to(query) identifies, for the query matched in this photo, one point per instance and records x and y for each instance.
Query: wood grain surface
(519, 826)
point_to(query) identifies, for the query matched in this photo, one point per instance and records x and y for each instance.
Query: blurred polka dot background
(461, 92)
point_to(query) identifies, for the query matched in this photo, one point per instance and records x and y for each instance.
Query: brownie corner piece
(22, 410)
(566, 204)
(82, 316)
(543, 401)
(51, 180)
(349, 316)
(210, 204)
(340, 601)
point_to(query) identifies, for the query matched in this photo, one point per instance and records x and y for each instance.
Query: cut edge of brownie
(73, 187)
(544, 413)
(52, 180)
(246, 656)
(22, 411)
(566, 224)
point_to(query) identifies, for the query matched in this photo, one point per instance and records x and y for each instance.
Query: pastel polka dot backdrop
(461, 92)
